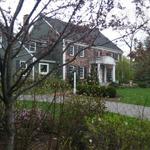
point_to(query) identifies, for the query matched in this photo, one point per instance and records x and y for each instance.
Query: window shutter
(78, 72)
(85, 72)
(75, 49)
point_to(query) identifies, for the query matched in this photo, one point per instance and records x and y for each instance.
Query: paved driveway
(116, 107)
(129, 109)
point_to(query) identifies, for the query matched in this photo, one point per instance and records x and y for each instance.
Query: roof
(74, 32)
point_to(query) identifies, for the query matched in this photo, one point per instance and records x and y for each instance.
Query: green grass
(139, 96)
(126, 120)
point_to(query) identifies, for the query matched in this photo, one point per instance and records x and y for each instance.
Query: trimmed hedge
(96, 90)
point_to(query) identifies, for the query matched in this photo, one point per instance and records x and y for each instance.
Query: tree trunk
(10, 125)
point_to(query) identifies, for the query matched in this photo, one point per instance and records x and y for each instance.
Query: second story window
(32, 47)
(81, 51)
(71, 50)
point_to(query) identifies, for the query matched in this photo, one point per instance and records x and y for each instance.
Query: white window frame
(83, 69)
(31, 46)
(71, 54)
(1, 40)
(82, 53)
(22, 61)
(43, 73)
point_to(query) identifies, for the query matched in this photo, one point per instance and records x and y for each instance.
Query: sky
(109, 33)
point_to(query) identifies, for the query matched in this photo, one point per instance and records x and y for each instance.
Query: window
(0, 40)
(81, 72)
(71, 50)
(115, 56)
(81, 51)
(23, 65)
(71, 69)
(32, 47)
(43, 68)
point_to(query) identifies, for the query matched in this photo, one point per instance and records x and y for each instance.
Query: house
(90, 48)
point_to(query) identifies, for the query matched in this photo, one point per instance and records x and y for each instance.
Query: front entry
(105, 73)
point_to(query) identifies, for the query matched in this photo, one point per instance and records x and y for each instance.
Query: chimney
(25, 19)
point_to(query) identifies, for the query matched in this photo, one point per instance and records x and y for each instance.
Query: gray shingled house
(90, 47)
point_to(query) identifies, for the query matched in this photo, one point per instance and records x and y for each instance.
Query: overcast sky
(111, 34)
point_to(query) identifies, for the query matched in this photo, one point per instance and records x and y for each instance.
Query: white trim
(83, 69)
(43, 73)
(114, 73)
(26, 49)
(98, 47)
(1, 40)
(49, 61)
(105, 74)
(64, 60)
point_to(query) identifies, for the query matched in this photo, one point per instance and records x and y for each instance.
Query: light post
(74, 81)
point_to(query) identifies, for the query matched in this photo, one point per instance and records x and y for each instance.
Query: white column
(64, 60)
(74, 82)
(99, 73)
(105, 74)
(114, 73)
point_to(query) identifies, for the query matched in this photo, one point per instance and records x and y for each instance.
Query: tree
(142, 63)
(123, 71)
(14, 32)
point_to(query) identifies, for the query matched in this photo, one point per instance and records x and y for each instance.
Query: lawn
(139, 96)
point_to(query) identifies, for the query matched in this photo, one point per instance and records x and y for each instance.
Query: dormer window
(23, 65)
(0, 40)
(32, 47)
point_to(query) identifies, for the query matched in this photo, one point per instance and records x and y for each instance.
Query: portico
(105, 68)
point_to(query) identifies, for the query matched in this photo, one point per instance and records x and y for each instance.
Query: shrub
(96, 90)
(114, 84)
(143, 84)
(116, 132)
(88, 90)
(111, 92)
(73, 126)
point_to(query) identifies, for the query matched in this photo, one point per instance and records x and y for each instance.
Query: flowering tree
(86, 13)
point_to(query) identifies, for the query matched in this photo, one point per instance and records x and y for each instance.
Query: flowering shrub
(29, 125)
